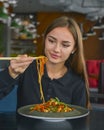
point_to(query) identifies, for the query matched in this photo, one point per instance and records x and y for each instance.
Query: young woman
(64, 75)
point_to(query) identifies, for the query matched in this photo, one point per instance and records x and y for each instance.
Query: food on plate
(53, 105)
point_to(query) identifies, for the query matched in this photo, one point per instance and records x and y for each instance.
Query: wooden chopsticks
(11, 58)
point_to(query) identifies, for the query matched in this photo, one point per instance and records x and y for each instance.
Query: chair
(9, 102)
(95, 70)
(101, 78)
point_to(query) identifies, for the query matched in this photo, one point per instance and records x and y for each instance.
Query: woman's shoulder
(75, 77)
(73, 74)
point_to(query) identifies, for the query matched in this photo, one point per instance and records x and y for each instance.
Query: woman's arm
(6, 83)
(6, 79)
(9, 77)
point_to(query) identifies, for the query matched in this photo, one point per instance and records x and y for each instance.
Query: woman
(64, 73)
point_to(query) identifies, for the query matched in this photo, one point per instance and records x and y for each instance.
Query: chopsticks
(11, 58)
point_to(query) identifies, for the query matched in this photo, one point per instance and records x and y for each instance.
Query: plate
(78, 112)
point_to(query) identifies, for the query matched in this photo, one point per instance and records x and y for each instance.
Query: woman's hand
(19, 65)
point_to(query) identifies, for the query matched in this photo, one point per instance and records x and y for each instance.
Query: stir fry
(53, 105)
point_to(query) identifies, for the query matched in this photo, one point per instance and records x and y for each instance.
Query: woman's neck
(55, 71)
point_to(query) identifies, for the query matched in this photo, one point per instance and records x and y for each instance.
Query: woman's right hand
(19, 65)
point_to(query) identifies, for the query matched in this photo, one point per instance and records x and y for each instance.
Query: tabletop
(12, 121)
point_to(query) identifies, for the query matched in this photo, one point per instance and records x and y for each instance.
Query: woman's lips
(54, 56)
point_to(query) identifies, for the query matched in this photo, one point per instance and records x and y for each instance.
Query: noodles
(40, 68)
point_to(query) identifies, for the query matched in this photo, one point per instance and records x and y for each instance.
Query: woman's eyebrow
(68, 42)
(52, 37)
(56, 39)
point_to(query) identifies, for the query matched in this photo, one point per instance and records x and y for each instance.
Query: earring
(72, 52)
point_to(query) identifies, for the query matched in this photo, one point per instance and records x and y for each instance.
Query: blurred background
(22, 24)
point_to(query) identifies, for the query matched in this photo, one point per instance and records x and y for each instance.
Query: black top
(69, 89)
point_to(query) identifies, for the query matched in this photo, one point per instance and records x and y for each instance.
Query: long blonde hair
(76, 60)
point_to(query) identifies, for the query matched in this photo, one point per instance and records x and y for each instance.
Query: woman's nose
(57, 48)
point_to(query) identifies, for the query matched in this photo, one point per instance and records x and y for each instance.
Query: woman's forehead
(61, 32)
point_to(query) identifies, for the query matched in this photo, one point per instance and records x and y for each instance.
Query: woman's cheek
(66, 54)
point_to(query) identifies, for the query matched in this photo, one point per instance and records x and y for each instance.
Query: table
(11, 121)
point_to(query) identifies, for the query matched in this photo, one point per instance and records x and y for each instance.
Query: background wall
(93, 47)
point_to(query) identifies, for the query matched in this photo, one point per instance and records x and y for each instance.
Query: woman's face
(59, 44)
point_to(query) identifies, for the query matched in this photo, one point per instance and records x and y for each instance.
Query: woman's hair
(75, 60)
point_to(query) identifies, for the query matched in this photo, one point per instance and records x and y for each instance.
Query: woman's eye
(65, 46)
(51, 41)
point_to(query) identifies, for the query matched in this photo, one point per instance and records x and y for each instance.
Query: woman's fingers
(19, 65)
